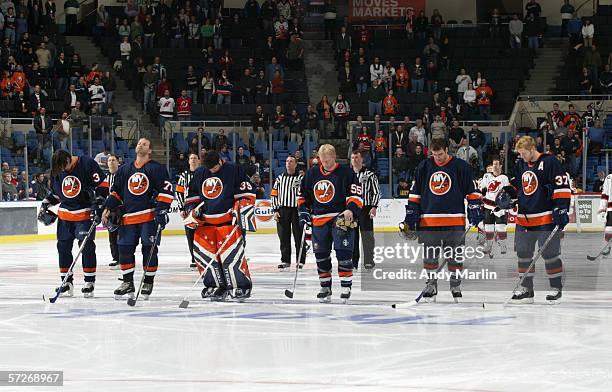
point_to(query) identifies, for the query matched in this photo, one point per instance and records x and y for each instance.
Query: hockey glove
(305, 219)
(97, 207)
(475, 215)
(46, 216)
(560, 217)
(413, 216)
(161, 218)
(504, 200)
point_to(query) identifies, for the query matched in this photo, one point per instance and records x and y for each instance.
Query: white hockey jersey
(606, 191)
(492, 185)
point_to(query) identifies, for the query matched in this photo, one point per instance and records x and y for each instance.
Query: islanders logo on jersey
(138, 183)
(440, 183)
(529, 181)
(71, 187)
(212, 187)
(324, 191)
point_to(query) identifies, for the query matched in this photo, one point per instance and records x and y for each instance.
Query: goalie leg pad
(235, 266)
(204, 249)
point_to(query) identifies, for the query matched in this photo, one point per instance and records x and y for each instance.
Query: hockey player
(142, 194)
(218, 194)
(605, 211)
(481, 229)
(329, 200)
(495, 219)
(436, 208)
(77, 185)
(542, 190)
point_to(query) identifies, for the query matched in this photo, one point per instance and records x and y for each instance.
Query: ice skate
(456, 292)
(488, 248)
(114, 265)
(555, 296)
(218, 295)
(345, 294)
(147, 289)
(88, 290)
(324, 295)
(431, 291)
(522, 295)
(282, 266)
(192, 266)
(127, 287)
(207, 292)
(67, 290)
(503, 249)
(241, 294)
(369, 266)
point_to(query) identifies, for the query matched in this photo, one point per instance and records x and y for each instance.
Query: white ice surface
(272, 343)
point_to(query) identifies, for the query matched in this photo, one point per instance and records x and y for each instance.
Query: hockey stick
(132, 301)
(602, 253)
(185, 303)
(532, 264)
(289, 293)
(416, 301)
(69, 273)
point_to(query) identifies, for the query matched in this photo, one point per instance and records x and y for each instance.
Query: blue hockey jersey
(440, 190)
(220, 191)
(74, 189)
(541, 186)
(140, 190)
(327, 194)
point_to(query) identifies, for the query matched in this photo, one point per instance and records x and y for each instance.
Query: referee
(284, 203)
(365, 223)
(182, 187)
(113, 166)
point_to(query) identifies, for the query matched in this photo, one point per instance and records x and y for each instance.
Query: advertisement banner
(383, 9)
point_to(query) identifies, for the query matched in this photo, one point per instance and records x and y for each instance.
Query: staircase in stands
(123, 100)
(547, 67)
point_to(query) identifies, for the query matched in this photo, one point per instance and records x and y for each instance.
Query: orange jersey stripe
(151, 269)
(73, 217)
(442, 221)
(554, 270)
(140, 218)
(473, 196)
(164, 198)
(413, 199)
(534, 221)
(300, 200)
(354, 199)
(562, 195)
(180, 188)
(273, 192)
(217, 220)
(104, 184)
(324, 275)
(344, 274)
(89, 269)
(127, 266)
(116, 196)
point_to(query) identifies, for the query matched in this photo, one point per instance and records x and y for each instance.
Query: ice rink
(272, 343)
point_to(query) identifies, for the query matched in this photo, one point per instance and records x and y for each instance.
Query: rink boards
(18, 219)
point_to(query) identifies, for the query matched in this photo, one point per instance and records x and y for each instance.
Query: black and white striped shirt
(285, 190)
(182, 187)
(369, 186)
